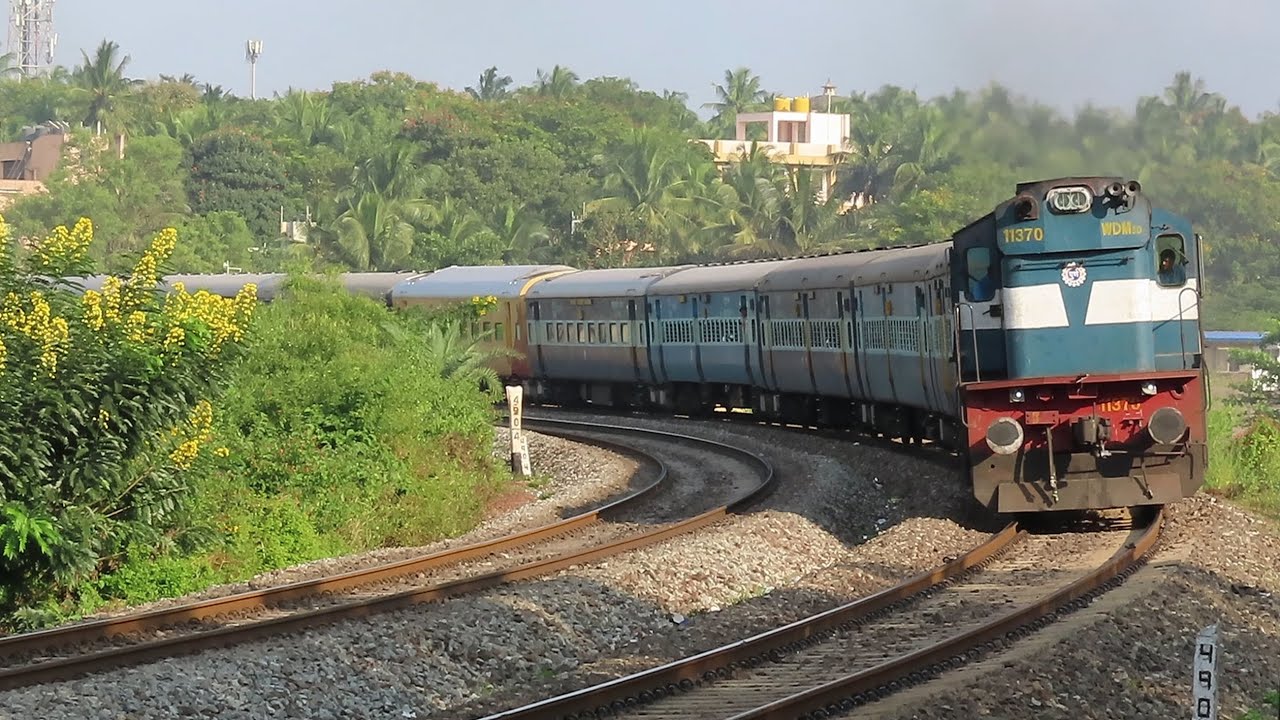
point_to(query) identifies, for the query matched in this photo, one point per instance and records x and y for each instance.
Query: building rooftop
(1242, 337)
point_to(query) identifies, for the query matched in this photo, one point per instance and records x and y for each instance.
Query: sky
(1062, 52)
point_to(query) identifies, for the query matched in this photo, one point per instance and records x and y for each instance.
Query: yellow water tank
(782, 104)
(800, 104)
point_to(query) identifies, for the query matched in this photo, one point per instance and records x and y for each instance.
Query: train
(1054, 343)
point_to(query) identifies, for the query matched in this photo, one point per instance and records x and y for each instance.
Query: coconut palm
(519, 233)
(644, 182)
(102, 78)
(491, 86)
(376, 233)
(457, 236)
(558, 83)
(740, 92)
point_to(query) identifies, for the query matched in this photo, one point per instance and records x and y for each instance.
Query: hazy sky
(1064, 52)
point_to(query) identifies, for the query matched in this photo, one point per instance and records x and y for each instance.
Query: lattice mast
(31, 36)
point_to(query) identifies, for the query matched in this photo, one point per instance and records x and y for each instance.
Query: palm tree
(461, 355)
(491, 86)
(102, 77)
(518, 232)
(643, 182)
(306, 116)
(458, 236)
(376, 233)
(740, 92)
(186, 79)
(392, 173)
(928, 147)
(558, 83)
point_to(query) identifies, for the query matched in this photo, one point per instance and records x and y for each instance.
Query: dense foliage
(398, 173)
(104, 404)
(345, 428)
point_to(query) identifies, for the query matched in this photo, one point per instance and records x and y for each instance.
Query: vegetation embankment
(153, 444)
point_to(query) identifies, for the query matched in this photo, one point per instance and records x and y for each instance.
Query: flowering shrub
(104, 402)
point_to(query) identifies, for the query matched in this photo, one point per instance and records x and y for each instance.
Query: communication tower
(253, 51)
(31, 36)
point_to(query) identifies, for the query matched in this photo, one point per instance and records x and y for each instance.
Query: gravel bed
(569, 477)
(1129, 655)
(847, 519)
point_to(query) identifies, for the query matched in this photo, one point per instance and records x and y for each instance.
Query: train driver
(1170, 273)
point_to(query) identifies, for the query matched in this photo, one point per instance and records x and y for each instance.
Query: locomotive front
(1080, 349)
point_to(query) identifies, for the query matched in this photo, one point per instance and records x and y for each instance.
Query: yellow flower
(63, 248)
(145, 273)
(222, 452)
(185, 454)
(226, 318)
(93, 317)
(50, 334)
(199, 428)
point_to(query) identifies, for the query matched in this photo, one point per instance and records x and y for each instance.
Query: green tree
(376, 233)
(236, 172)
(103, 81)
(740, 92)
(491, 86)
(559, 83)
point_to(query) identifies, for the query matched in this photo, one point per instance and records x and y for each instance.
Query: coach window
(560, 332)
(613, 332)
(1171, 261)
(498, 333)
(591, 333)
(626, 334)
(981, 284)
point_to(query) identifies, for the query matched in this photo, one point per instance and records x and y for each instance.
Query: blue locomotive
(1055, 342)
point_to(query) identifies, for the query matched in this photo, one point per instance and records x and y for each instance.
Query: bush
(104, 405)
(345, 428)
(1244, 463)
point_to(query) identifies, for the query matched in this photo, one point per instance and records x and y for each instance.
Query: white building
(795, 136)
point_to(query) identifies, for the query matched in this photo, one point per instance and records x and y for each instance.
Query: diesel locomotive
(1054, 343)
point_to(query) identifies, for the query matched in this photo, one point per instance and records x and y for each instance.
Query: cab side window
(1171, 261)
(981, 279)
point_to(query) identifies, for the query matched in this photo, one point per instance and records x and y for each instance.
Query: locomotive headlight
(1004, 436)
(1017, 395)
(1148, 388)
(1074, 199)
(1167, 426)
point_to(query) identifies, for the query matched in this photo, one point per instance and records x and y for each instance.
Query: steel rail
(68, 667)
(707, 666)
(270, 597)
(846, 693)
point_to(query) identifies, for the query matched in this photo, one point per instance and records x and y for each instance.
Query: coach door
(537, 340)
(633, 340)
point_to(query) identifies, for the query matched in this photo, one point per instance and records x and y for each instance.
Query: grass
(1244, 461)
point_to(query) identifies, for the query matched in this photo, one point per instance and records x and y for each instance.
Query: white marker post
(1204, 675)
(519, 444)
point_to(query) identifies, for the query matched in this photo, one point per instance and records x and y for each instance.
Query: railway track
(830, 663)
(75, 650)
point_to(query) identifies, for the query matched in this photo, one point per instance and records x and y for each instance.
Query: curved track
(832, 662)
(74, 650)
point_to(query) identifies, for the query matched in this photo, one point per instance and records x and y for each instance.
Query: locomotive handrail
(973, 330)
(1182, 332)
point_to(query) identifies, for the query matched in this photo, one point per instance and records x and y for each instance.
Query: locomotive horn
(1135, 187)
(1025, 207)
(1115, 189)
